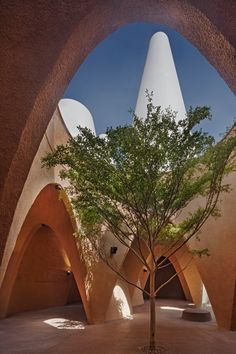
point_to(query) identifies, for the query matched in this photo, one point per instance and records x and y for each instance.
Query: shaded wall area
(189, 277)
(74, 294)
(218, 271)
(37, 273)
(42, 280)
(43, 201)
(233, 318)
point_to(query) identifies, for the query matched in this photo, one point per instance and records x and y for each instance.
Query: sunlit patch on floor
(171, 308)
(62, 323)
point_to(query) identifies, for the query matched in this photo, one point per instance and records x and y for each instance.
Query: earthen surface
(28, 333)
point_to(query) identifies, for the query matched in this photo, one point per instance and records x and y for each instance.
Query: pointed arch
(176, 289)
(190, 278)
(49, 218)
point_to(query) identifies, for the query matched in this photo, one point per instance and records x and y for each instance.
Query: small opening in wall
(113, 250)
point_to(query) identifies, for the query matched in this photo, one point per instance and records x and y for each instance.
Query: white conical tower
(160, 76)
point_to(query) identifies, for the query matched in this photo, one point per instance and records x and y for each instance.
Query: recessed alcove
(44, 278)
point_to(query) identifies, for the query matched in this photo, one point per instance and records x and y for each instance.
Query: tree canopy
(137, 181)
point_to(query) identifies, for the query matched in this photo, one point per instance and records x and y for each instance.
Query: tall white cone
(160, 76)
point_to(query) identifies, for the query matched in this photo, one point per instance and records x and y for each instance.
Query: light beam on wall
(123, 305)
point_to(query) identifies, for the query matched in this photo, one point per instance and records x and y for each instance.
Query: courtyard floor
(63, 330)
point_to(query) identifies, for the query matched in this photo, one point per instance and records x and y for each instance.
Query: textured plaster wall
(218, 271)
(120, 304)
(49, 210)
(37, 179)
(42, 279)
(38, 204)
(189, 278)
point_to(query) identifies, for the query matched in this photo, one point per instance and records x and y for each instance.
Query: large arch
(189, 278)
(42, 45)
(44, 278)
(47, 218)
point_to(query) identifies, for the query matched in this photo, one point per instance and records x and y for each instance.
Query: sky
(107, 82)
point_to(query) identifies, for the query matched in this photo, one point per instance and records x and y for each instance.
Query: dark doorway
(233, 317)
(74, 295)
(174, 289)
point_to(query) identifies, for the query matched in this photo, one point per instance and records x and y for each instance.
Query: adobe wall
(218, 271)
(190, 279)
(47, 211)
(42, 280)
(39, 204)
(37, 179)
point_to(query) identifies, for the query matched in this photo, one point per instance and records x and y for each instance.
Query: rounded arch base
(45, 268)
(44, 278)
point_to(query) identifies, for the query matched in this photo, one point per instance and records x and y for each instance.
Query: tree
(139, 181)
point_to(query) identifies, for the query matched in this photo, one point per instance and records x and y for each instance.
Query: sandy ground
(63, 330)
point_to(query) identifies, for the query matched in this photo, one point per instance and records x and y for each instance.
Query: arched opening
(74, 294)
(45, 268)
(174, 289)
(44, 278)
(189, 278)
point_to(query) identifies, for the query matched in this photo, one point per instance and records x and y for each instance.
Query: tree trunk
(152, 340)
